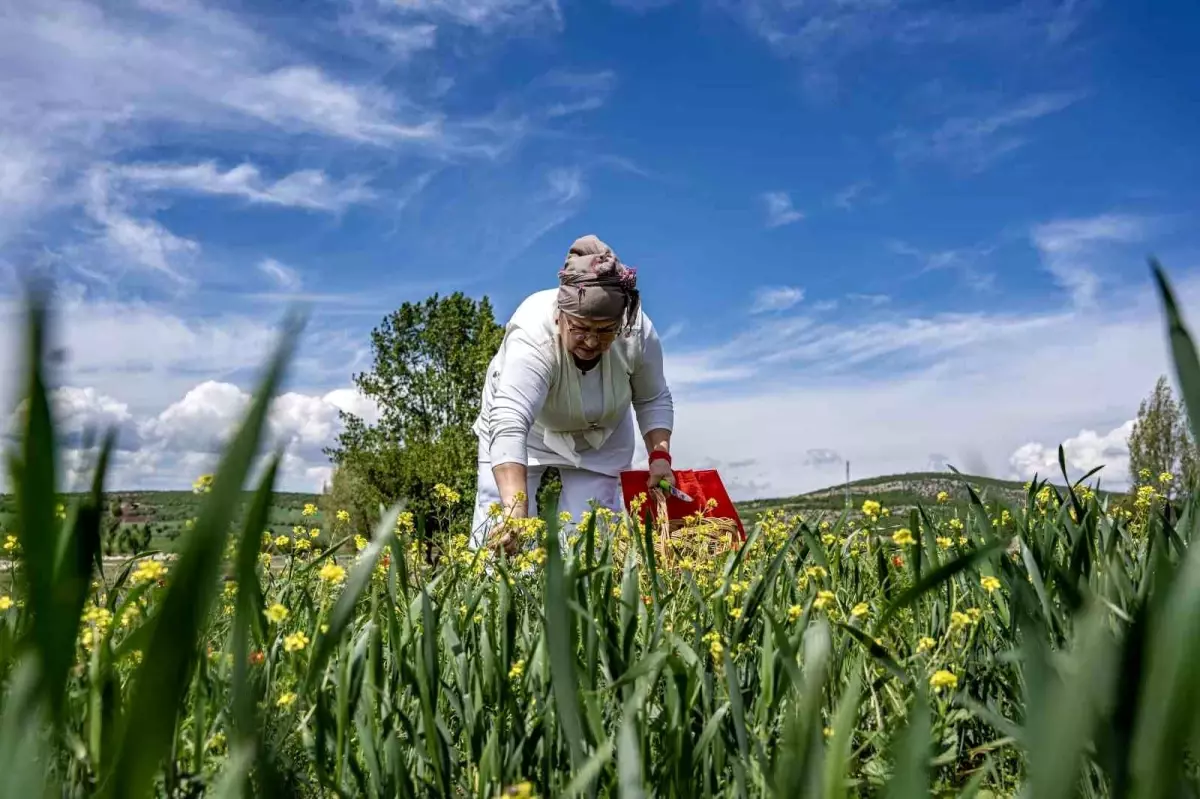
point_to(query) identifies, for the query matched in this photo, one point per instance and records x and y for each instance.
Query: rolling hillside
(899, 492)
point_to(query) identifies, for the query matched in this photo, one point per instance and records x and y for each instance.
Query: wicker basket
(675, 539)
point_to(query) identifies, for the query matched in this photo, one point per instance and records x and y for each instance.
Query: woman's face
(587, 339)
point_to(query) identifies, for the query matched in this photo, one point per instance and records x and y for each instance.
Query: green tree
(1161, 441)
(430, 360)
(349, 490)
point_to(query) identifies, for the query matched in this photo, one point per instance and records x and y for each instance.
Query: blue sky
(899, 233)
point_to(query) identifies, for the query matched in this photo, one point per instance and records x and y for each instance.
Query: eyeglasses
(581, 332)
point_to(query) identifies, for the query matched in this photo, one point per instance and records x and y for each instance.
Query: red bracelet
(659, 455)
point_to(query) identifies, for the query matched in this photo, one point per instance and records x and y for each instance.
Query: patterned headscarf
(594, 284)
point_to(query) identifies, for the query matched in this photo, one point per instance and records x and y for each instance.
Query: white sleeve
(651, 395)
(521, 389)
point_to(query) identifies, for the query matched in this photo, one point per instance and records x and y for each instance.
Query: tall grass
(1045, 648)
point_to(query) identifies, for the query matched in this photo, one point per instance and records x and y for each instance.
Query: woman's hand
(660, 470)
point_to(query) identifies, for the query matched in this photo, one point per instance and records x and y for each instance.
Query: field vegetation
(1042, 646)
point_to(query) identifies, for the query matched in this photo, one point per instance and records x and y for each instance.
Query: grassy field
(1041, 647)
(168, 512)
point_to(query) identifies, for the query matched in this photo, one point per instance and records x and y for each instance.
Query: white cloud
(304, 97)
(779, 209)
(142, 243)
(306, 188)
(566, 185)
(976, 142)
(776, 298)
(848, 197)
(975, 388)
(823, 33)
(1083, 452)
(487, 15)
(284, 276)
(968, 262)
(1072, 249)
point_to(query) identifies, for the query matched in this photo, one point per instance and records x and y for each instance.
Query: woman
(573, 362)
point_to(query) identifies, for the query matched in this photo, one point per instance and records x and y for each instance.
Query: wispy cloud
(874, 300)
(779, 209)
(487, 15)
(143, 244)
(284, 276)
(307, 188)
(566, 185)
(776, 298)
(1073, 249)
(828, 31)
(974, 143)
(966, 261)
(849, 197)
(959, 383)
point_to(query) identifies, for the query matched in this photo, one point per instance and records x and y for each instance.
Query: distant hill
(899, 492)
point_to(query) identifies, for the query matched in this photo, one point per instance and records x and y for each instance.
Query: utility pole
(847, 485)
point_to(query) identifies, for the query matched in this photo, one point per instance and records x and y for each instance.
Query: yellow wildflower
(343, 516)
(276, 613)
(295, 642)
(522, 790)
(148, 571)
(1166, 477)
(956, 524)
(5, 603)
(989, 583)
(10, 543)
(285, 699)
(309, 509)
(925, 644)
(871, 509)
(824, 598)
(794, 612)
(861, 609)
(943, 679)
(903, 537)
(332, 573)
(360, 543)
(943, 497)
(445, 494)
(282, 542)
(944, 543)
(517, 670)
(203, 484)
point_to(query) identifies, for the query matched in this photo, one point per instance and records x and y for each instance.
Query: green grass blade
(248, 614)
(560, 644)
(911, 775)
(1183, 348)
(162, 679)
(934, 578)
(837, 758)
(35, 481)
(343, 610)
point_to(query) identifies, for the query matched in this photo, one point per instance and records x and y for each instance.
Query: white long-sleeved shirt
(539, 408)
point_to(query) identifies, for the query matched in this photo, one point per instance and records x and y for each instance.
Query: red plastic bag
(701, 484)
